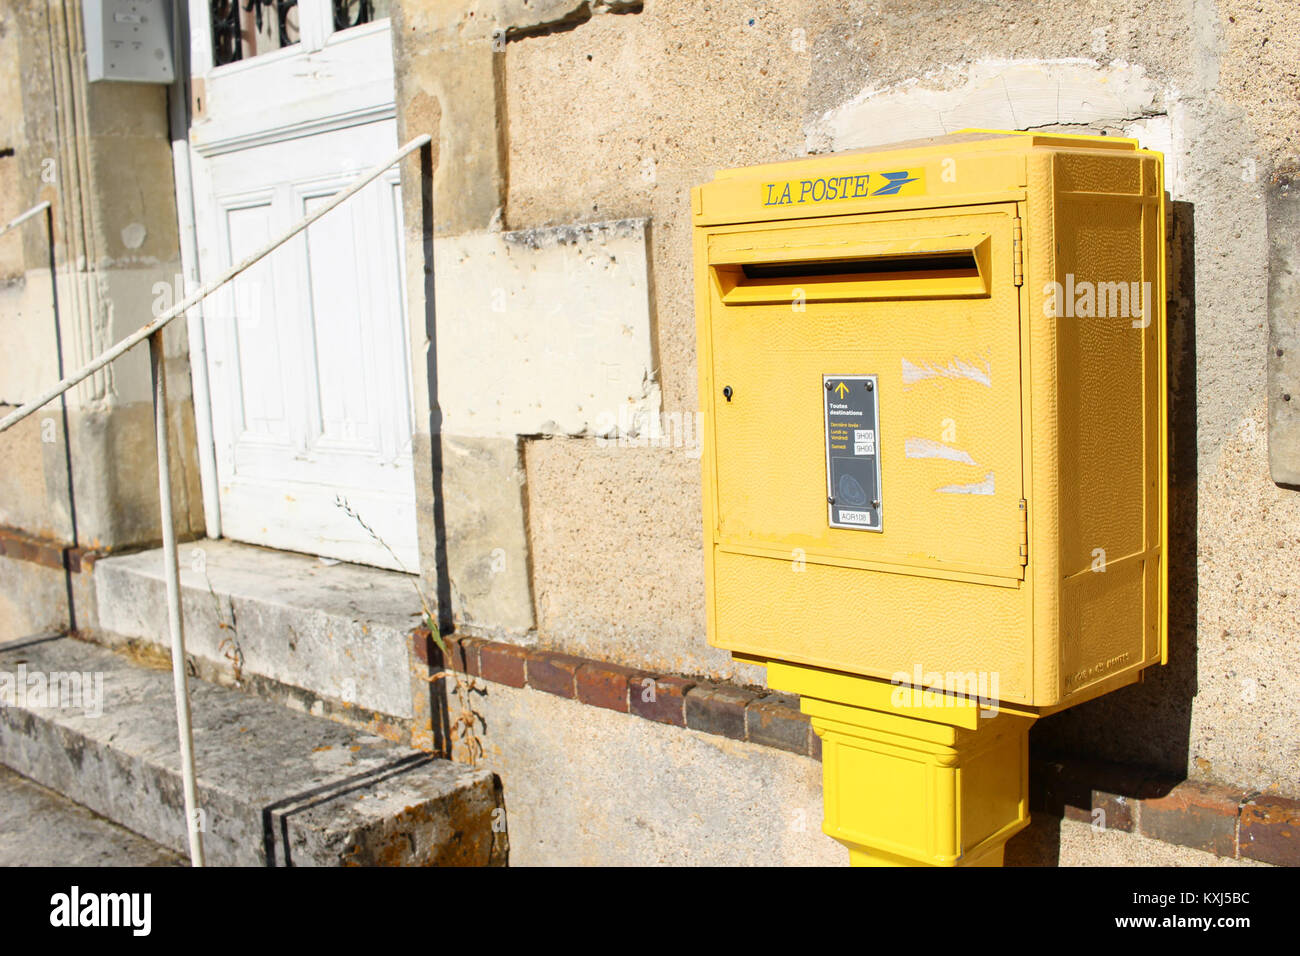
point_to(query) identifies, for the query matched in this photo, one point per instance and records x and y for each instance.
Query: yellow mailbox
(933, 380)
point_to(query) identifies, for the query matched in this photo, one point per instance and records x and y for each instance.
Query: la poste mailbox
(933, 380)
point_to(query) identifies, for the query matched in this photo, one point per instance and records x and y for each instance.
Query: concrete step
(325, 637)
(276, 787)
(38, 827)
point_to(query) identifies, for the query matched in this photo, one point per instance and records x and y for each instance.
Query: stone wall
(583, 112)
(73, 283)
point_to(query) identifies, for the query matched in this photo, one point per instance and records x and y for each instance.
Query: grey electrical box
(129, 40)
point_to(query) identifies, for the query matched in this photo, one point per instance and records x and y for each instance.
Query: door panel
(307, 350)
(257, 359)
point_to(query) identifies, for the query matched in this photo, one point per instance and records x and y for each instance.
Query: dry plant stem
(463, 727)
(229, 646)
(341, 502)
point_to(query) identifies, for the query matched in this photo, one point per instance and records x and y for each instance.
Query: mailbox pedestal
(940, 781)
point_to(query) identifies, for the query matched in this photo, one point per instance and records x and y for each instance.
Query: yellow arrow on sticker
(842, 389)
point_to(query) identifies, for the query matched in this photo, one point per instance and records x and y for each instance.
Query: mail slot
(933, 381)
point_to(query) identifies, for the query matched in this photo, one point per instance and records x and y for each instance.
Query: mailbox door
(925, 307)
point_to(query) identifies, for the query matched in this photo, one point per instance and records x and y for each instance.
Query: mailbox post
(934, 469)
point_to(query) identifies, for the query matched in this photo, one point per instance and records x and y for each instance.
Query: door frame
(180, 119)
(366, 102)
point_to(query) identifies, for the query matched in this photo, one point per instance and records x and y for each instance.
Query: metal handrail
(135, 338)
(19, 220)
(153, 331)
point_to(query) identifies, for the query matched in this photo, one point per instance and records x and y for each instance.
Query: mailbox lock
(726, 392)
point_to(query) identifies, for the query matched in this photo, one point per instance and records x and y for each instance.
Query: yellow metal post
(914, 777)
(919, 793)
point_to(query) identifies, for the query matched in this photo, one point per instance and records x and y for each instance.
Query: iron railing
(153, 331)
(39, 208)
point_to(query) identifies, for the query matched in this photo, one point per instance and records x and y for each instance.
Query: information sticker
(852, 404)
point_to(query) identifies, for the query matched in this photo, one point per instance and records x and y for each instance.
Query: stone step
(276, 787)
(325, 637)
(39, 827)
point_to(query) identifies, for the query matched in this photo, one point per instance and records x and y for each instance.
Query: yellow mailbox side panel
(1095, 272)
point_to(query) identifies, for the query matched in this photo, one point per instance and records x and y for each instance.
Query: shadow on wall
(1039, 844)
(437, 704)
(1149, 724)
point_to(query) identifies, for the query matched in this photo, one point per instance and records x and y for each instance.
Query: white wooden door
(307, 351)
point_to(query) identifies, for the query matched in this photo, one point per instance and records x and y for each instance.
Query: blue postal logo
(802, 192)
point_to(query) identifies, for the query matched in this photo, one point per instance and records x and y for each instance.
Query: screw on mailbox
(726, 392)
(870, 386)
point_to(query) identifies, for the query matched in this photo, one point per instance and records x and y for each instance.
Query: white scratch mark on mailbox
(984, 487)
(927, 448)
(957, 368)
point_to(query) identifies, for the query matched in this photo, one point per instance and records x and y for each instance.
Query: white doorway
(307, 352)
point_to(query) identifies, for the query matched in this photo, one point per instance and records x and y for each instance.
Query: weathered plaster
(545, 331)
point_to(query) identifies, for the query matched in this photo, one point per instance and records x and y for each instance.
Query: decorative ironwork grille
(352, 13)
(228, 42)
(229, 27)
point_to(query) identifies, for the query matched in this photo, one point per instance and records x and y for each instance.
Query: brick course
(718, 709)
(661, 699)
(553, 673)
(605, 685)
(503, 663)
(1270, 830)
(1221, 820)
